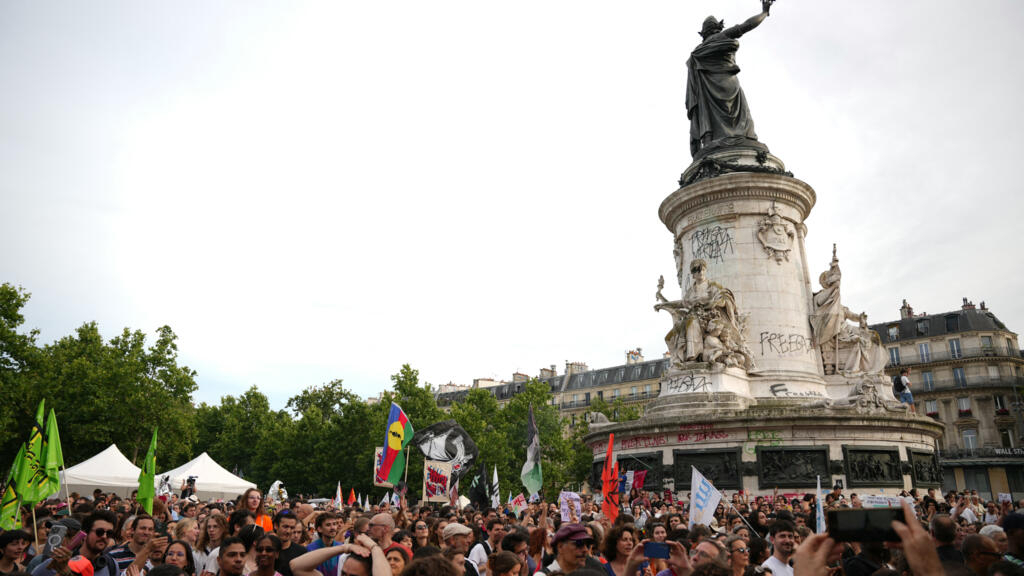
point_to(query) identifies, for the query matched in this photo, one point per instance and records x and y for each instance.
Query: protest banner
(566, 499)
(436, 478)
(518, 504)
(378, 457)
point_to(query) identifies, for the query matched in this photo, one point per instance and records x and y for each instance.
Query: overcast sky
(307, 191)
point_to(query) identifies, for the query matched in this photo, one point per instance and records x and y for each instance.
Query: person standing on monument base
(907, 397)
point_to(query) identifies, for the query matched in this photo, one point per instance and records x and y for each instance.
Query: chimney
(983, 305)
(968, 305)
(906, 311)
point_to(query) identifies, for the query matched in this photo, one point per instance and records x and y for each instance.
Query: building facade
(965, 370)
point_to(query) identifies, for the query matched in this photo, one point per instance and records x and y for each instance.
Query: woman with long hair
(179, 553)
(539, 546)
(252, 500)
(420, 534)
(267, 548)
(211, 533)
(435, 532)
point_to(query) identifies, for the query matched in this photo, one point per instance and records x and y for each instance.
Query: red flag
(638, 479)
(351, 496)
(610, 484)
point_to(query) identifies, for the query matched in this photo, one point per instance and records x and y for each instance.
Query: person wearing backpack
(901, 388)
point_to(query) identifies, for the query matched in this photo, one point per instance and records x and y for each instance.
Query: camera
(191, 480)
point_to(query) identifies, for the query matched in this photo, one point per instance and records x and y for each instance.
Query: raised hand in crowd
(917, 544)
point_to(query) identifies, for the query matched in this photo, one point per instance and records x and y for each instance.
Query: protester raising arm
(305, 565)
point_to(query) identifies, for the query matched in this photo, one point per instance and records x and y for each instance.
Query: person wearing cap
(456, 537)
(571, 543)
(98, 528)
(71, 526)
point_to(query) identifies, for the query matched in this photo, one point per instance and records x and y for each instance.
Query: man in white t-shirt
(482, 550)
(783, 538)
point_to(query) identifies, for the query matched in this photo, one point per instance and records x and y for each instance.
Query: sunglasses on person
(103, 533)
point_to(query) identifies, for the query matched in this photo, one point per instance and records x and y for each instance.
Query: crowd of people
(955, 533)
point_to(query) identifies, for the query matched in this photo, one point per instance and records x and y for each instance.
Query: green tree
(18, 357)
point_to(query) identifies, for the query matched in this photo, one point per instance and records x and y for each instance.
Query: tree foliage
(118, 390)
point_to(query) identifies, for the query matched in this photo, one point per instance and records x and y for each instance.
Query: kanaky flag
(610, 484)
(398, 434)
(351, 496)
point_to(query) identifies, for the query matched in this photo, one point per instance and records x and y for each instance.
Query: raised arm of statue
(750, 23)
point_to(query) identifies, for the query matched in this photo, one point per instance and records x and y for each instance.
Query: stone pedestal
(749, 228)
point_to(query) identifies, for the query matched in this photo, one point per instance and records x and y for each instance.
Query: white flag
(337, 498)
(495, 491)
(629, 482)
(705, 499)
(384, 500)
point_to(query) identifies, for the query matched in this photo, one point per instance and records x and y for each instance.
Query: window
(632, 392)
(993, 372)
(575, 398)
(600, 394)
(931, 406)
(928, 381)
(1000, 402)
(959, 377)
(922, 327)
(894, 333)
(894, 356)
(963, 404)
(986, 346)
(615, 393)
(647, 389)
(586, 398)
(1009, 348)
(1005, 438)
(954, 348)
(952, 323)
(924, 350)
(970, 437)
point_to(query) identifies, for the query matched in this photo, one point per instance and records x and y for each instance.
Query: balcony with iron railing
(625, 398)
(919, 386)
(954, 454)
(944, 353)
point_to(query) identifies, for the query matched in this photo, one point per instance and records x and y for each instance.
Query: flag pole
(406, 480)
(34, 531)
(67, 493)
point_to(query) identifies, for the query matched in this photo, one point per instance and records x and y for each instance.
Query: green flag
(147, 477)
(31, 477)
(54, 460)
(531, 475)
(10, 503)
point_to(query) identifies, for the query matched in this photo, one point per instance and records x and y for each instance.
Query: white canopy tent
(212, 480)
(109, 471)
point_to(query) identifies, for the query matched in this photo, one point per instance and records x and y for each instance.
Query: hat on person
(575, 532)
(81, 566)
(1014, 521)
(383, 519)
(73, 526)
(454, 529)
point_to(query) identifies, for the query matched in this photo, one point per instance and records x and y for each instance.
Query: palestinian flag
(396, 437)
(531, 474)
